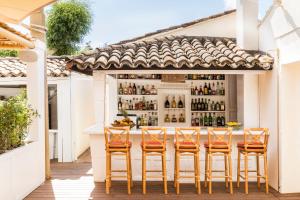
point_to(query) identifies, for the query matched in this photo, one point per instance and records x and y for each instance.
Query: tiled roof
(14, 67)
(6, 42)
(180, 52)
(184, 25)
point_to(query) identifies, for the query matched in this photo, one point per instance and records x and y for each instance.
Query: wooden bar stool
(255, 144)
(154, 144)
(218, 144)
(117, 144)
(187, 144)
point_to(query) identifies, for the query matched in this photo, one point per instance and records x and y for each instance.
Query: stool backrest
(117, 135)
(256, 138)
(187, 136)
(156, 135)
(219, 138)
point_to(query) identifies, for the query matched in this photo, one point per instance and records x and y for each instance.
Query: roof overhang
(12, 39)
(14, 11)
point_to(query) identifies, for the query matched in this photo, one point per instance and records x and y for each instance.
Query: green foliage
(8, 53)
(15, 117)
(68, 22)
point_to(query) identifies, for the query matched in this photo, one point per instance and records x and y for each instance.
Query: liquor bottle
(200, 90)
(153, 90)
(201, 120)
(138, 90)
(134, 89)
(151, 105)
(154, 105)
(130, 105)
(143, 91)
(213, 89)
(193, 120)
(209, 89)
(120, 89)
(138, 122)
(205, 89)
(180, 103)
(126, 105)
(205, 120)
(212, 106)
(223, 121)
(218, 88)
(197, 120)
(181, 118)
(199, 105)
(144, 104)
(173, 102)
(145, 120)
(120, 104)
(130, 89)
(222, 106)
(214, 120)
(167, 103)
(219, 121)
(217, 106)
(149, 120)
(209, 105)
(196, 91)
(222, 89)
(192, 105)
(125, 89)
(147, 90)
(210, 120)
(167, 118)
(206, 105)
(192, 89)
(174, 120)
(202, 105)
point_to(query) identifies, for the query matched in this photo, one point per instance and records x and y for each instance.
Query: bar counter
(97, 145)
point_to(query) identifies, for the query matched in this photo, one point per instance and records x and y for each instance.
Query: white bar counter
(97, 145)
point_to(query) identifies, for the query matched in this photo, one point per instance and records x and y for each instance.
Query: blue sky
(115, 20)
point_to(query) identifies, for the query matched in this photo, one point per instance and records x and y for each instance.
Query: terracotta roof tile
(186, 52)
(14, 67)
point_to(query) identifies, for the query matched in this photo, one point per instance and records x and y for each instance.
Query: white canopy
(14, 11)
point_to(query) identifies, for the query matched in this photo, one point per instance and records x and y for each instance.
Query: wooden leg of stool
(165, 173)
(246, 172)
(107, 186)
(144, 172)
(195, 170)
(128, 172)
(198, 174)
(238, 169)
(177, 172)
(258, 171)
(266, 172)
(205, 174)
(175, 168)
(210, 173)
(226, 170)
(230, 173)
(130, 162)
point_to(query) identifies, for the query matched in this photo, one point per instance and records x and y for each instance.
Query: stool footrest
(154, 176)
(119, 170)
(153, 171)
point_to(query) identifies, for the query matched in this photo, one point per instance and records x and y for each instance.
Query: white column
(247, 24)
(99, 95)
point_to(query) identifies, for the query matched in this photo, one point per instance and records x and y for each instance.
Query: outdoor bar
(173, 82)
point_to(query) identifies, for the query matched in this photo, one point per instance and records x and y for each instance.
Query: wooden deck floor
(74, 181)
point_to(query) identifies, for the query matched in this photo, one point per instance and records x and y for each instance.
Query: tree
(8, 53)
(68, 22)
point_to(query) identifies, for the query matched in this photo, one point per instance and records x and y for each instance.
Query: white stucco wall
(82, 111)
(279, 36)
(209, 28)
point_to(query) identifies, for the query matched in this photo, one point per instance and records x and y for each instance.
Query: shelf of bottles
(174, 109)
(139, 97)
(208, 100)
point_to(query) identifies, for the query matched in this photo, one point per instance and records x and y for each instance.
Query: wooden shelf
(208, 111)
(174, 108)
(138, 95)
(208, 95)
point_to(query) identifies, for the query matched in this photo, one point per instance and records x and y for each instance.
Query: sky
(116, 20)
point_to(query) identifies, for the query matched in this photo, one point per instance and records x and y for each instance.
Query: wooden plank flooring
(74, 181)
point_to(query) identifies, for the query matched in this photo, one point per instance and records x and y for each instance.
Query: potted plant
(15, 117)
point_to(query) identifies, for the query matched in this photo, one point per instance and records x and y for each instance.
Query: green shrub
(15, 117)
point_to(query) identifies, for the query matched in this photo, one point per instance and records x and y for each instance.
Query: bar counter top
(97, 129)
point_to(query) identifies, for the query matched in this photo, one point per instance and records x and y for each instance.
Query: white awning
(14, 11)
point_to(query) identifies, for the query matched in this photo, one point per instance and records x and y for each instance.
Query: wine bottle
(192, 89)
(120, 104)
(201, 119)
(167, 103)
(209, 89)
(120, 89)
(199, 105)
(134, 89)
(210, 120)
(192, 105)
(138, 122)
(130, 89)
(200, 90)
(193, 120)
(143, 91)
(214, 120)
(180, 103)
(173, 102)
(138, 90)
(205, 89)
(205, 120)
(125, 89)
(206, 105)
(223, 121)
(219, 121)
(197, 120)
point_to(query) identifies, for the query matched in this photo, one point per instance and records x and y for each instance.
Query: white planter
(21, 171)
